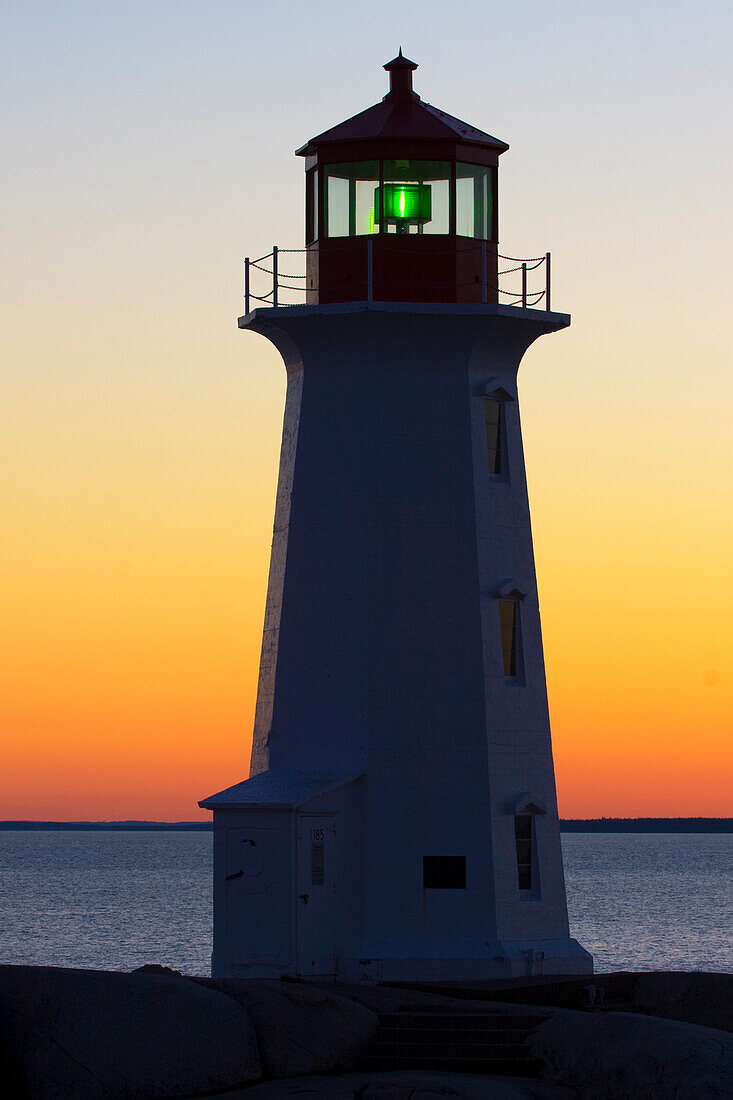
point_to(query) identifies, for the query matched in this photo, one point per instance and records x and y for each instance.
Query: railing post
(484, 273)
(524, 286)
(370, 270)
(547, 281)
(246, 284)
(274, 276)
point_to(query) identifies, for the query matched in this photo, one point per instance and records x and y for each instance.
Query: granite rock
(403, 1085)
(696, 998)
(624, 1056)
(96, 1035)
(300, 1028)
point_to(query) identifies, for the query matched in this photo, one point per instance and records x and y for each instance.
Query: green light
(405, 203)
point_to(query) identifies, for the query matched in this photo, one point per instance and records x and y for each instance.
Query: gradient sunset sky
(148, 147)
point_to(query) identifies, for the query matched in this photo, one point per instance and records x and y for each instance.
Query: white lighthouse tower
(400, 818)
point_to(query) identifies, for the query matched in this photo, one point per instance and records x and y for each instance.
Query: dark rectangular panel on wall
(444, 872)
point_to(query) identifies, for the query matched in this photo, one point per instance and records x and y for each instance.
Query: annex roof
(276, 789)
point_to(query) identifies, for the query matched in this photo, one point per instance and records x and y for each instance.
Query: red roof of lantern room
(403, 116)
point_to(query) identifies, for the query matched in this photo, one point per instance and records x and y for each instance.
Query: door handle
(304, 898)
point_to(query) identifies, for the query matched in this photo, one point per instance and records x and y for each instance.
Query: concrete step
(437, 1038)
(446, 1031)
(514, 1067)
(466, 1042)
(455, 1048)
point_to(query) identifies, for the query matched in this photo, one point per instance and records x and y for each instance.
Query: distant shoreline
(112, 826)
(567, 825)
(647, 825)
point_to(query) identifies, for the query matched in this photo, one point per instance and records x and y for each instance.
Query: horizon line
(141, 824)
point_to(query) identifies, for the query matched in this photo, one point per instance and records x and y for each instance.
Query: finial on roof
(400, 62)
(400, 71)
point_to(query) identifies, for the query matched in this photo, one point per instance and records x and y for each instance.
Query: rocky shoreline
(97, 1035)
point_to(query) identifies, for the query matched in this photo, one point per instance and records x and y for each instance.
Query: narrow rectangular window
(523, 839)
(318, 863)
(474, 201)
(508, 620)
(494, 212)
(492, 418)
(444, 872)
(311, 205)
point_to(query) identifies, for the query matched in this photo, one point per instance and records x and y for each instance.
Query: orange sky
(139, 430)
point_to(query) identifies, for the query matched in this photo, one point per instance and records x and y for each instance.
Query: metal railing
(290, 288)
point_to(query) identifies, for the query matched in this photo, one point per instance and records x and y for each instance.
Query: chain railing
(527, 299)
(289, 288)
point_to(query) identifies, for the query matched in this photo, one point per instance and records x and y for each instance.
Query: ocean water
(655, 901)
(110, 901)
(118, 900)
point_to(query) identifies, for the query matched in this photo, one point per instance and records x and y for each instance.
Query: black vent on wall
(444, 872)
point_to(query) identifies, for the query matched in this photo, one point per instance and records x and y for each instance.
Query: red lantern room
(401, 204)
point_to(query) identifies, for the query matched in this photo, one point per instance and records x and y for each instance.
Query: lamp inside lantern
(405, 204)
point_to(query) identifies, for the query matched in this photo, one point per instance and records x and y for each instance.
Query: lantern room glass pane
(474, 201)
(349, 198)
(416, 196)
(311, 205)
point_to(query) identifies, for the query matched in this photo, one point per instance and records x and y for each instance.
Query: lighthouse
(400, 819)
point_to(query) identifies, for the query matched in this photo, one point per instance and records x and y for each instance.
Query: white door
(258, 908)
(316, 895)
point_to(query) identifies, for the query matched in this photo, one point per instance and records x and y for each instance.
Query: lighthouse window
(523, 840)
(415, 197)
(475, 201)
(492, 417)
(349, 196)
(508, 619)
(311, 205)
(444, 872)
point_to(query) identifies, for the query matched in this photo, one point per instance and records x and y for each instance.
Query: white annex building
(400, 820)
